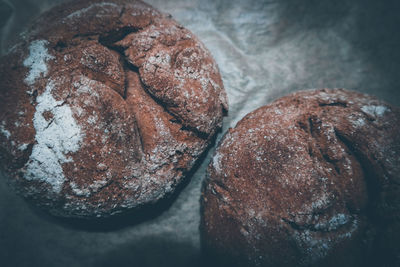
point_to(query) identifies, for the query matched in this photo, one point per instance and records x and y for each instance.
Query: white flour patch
(79, 191)
(216, 162)
(4, 131)
(23, 147)
(86, 85)
(55, 138)
(359, 122)
(334, 223)
(36, 61)
(375, 110)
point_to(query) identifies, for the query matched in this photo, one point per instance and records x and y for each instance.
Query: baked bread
(312, 179)
(104, 106)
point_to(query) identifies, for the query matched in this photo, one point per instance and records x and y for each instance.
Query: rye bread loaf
(312, 179)
(105, 106)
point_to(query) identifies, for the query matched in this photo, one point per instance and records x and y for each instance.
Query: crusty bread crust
(104, 106)
(312, 179)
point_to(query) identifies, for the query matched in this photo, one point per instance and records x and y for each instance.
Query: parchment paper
(264, 49)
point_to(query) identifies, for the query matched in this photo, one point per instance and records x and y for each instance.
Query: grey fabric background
(265, 49)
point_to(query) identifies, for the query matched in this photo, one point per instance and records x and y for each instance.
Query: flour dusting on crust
(374, 110)
(303, 164)
(56, 137)
(103, 5)
(4, 131)
(36, 61)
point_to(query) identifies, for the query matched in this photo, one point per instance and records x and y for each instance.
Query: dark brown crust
(311, 179)
(145, 93)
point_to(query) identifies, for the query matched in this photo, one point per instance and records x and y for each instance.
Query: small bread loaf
(312, 179)
(104, 106)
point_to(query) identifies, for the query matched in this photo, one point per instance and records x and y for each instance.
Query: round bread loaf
(312, 179)
(104, 106)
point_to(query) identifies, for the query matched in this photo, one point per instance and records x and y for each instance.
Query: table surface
(264, 49)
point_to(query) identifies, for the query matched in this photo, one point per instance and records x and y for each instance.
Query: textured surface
(311, 179)
(264, 49)
(106, 108)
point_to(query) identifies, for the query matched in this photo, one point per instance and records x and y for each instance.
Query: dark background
(265, 49)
